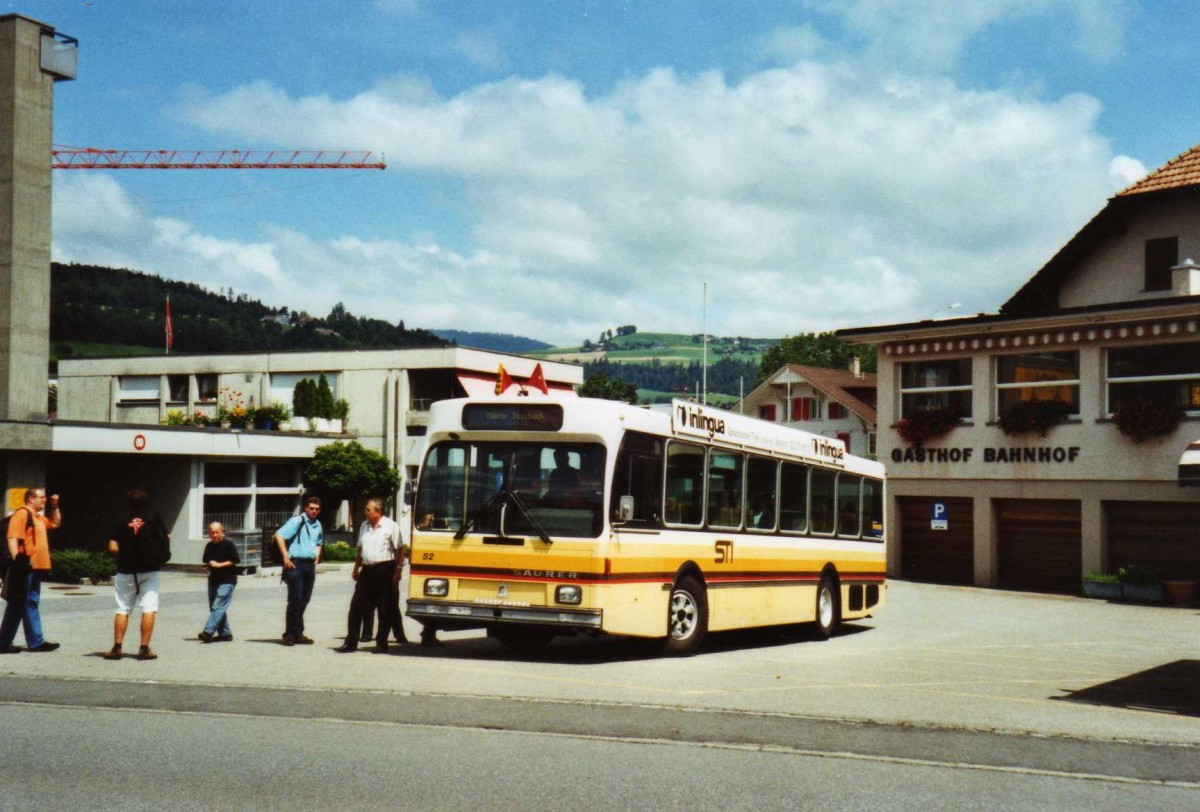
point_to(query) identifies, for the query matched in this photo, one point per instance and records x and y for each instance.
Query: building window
(177, 388)
(206, 387)
(1161, 255)
(283, 384)
(243, 495)
(806, 409)
(871, 444)
(936, 385)
(1037, 376)
(837, 411)
(767, 412)
(1164, 373)
(138, 389)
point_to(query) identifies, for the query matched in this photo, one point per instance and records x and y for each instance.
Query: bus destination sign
(512, 417)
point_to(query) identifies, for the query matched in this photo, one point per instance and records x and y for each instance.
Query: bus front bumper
(447, 614)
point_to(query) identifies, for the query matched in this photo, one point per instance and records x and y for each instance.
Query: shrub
(1026, 416)
(1142, 419)
(72, 566)
(1138, 575)
(338, 551)
(927, 424)
(1103, 577)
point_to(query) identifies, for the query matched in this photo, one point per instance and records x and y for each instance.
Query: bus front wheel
(687, 618)
(828, 610)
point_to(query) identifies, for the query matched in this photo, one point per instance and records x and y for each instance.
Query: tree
(324, 405)
(814, 350)
(599, 385)
(341, 471)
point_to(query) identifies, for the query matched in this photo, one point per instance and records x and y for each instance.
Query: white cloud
(1126, 171)
(814, 196)
(481, 48)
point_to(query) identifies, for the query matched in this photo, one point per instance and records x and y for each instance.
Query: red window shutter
(767, 412)
(797, 408)
(845, 438)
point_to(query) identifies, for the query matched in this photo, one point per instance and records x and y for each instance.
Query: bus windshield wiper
(515, 499)
(506, 496)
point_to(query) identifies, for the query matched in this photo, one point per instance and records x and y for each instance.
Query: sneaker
(304, 641)
(144, 653)
(10, 650)
(288, 640)
(115, 654)
(45, 646)
(206, 637)
(225, 638)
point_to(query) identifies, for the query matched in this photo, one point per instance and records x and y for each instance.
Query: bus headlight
(568, 594)
(437, 587)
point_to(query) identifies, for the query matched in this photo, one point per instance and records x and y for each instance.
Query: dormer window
(1162, 254)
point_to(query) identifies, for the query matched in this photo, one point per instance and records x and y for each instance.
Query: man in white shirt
(375, 570)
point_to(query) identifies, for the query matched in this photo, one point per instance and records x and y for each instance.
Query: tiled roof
(1181, 171)
(836, 384)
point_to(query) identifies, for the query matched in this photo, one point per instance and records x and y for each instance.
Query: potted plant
(340, 415)
(176, 417)
(1140, 584)
(1103, 585)
(302, 404)
(264, 418)
(239, 417)
(281, 415)
(928, 424)
(1027, 416)
(1141, 419)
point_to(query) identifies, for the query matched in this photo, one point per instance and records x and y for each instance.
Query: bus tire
(522, 640)
(687, 618)
(829, 610)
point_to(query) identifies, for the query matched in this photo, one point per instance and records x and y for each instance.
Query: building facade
(831, 402)
(1105, 339)
(109, 436)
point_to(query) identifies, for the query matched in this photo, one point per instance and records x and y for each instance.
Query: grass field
(94, 349)
(667, 348)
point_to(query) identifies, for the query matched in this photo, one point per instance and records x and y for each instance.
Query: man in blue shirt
(299, 542)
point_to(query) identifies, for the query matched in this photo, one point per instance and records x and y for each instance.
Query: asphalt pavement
(937, 658)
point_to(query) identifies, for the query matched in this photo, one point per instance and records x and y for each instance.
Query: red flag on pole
(503, 380)
(538, 380)
(170, 332)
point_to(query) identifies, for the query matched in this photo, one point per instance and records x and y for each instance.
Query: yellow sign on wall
(16, 498)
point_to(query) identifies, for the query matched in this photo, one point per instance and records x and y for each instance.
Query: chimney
(856, 365)
(1185, 279)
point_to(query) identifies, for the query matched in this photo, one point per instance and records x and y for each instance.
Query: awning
(479, 386)
(1189, 466)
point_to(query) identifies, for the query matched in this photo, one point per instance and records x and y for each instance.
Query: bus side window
(872, 501)
(849, 495)
(761, 476)
(639, 473)
(793, 497)
(685, 484)
(724, 489)
(823, 501)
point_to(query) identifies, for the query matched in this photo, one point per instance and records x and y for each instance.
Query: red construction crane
(212, 159)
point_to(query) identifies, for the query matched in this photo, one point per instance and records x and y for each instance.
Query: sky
(557, 169)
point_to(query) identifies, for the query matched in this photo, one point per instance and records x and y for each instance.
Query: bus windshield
(560, 485)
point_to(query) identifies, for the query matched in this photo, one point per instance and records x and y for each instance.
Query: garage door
(1039, 544)
(942, 556)
(1161, 535)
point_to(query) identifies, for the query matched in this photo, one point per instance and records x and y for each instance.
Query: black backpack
(5, 558)
(156, 546)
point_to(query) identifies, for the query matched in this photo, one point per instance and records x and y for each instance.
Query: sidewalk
(956, 657)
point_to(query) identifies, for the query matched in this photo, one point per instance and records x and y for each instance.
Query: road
(899, 712)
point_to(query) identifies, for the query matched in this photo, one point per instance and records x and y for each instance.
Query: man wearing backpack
(299, 541)
(142, 545)
(29, 548)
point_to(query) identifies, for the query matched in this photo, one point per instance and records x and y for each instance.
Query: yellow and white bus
(542, 517)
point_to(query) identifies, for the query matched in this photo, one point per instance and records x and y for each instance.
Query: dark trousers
(372, 593)
(299, 582)
(368, 626)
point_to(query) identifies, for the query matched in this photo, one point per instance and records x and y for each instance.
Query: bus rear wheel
(687, 618)
(828, 607)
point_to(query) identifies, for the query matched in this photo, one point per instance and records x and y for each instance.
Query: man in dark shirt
(142, 545)
(221, 558)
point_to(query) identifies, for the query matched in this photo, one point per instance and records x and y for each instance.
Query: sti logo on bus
(691, 418)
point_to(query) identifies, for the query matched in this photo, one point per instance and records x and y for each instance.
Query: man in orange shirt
(27, 536)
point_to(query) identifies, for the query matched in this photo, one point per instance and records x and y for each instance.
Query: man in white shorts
(142, 545)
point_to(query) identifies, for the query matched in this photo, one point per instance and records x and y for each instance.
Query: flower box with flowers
(927, 424)
(1027, 416)
(1142, 419)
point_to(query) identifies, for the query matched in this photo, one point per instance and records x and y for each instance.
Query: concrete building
(832, 402)
(1110, 323)
(109, 428)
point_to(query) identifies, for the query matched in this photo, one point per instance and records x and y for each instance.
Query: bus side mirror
(625, 509)
(408, 492)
